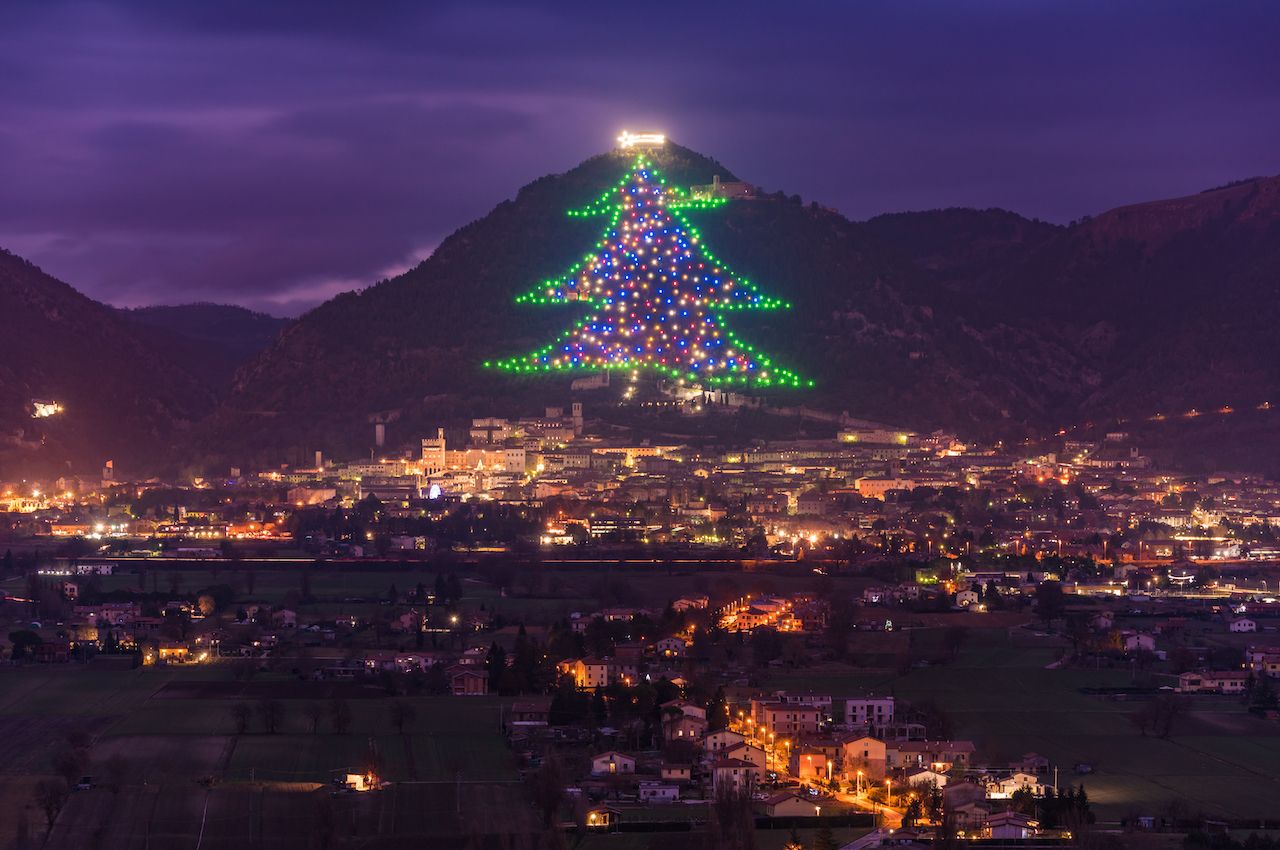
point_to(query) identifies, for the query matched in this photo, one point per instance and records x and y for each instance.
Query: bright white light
(630, 140)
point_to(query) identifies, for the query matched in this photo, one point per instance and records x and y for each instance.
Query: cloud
(272, 153)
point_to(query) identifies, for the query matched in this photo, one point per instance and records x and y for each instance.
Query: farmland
(1001, 693)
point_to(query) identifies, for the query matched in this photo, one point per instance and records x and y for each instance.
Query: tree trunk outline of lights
(658, 297)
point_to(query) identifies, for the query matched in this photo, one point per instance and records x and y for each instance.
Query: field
(173, 727)
(1001, 693)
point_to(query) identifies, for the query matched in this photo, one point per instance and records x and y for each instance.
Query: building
(590, 673)
(722, 739)
(786, 721)
(1011, 825)
(657, 792)
(612, 763)
(868, 712)
(434, 456)
(811, 766)
(468, 681)
(732, 776)
(676, 773)
(865, 755)
(1003, 789)
(877, 488)
(1243, 624)
(1215, 682)
(683, 720)
(789, 804)
(1264, 660)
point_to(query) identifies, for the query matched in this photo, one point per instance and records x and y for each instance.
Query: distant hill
(978, 320)
(865, 323)
(122, 397)
(210, 341)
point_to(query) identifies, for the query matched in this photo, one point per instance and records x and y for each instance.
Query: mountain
(210, 341)
(982, 321)
(871, 323)
(1173, 303)
(121, 397)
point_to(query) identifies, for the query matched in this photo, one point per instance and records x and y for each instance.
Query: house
(531, 712)
(720, 740)
(672, 647)
(53, 652)
(865, 755)
(927, 778)
(810, 766)
(612, 763)
(1243, 624)
(467, 681)
(285, 619)
(868, 712)
(603, 819)
(590, 673)
(1264, 660)
(676, 773)
(1214, 682)
(1013, 825)
(1031, 763)
(936, 755)
(784, 721)
(965, 598)
(789, 804)
(732, 775)
(1135, 641)
(1003, 789)
(748, 752)
(657, 792)
(686, 603)
(683, 720)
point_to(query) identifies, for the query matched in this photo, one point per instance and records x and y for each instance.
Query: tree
(240, 714)
(496, 665)
(24, 643)
(913, 812)
(271, 712)
(117, 769)
(340, 716)
(730, 822)
(50, 796)
(1050, 603)
(313, 711)
(824, 840)
(657, 299)
(547, 785)
(402, 715)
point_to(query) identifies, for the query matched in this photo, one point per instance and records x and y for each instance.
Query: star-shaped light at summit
(658, 297)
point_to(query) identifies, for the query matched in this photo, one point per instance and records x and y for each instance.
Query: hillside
(210, 341)
(122, 398)
(1174, 303)
(864, 325)
(977, 320)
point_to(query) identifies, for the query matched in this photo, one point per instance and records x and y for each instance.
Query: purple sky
(274, 153)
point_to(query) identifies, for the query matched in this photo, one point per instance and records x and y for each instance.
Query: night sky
(275, 153)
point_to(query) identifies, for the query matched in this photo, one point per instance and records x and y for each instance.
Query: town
(872, 638)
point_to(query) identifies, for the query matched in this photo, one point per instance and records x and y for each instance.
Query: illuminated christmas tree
(657, 297)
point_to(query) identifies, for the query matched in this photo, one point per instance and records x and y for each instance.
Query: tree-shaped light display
(657, 297)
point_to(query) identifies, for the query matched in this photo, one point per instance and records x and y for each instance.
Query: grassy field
(1001, 694)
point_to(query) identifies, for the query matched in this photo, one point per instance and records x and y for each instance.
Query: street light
(888, 792)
